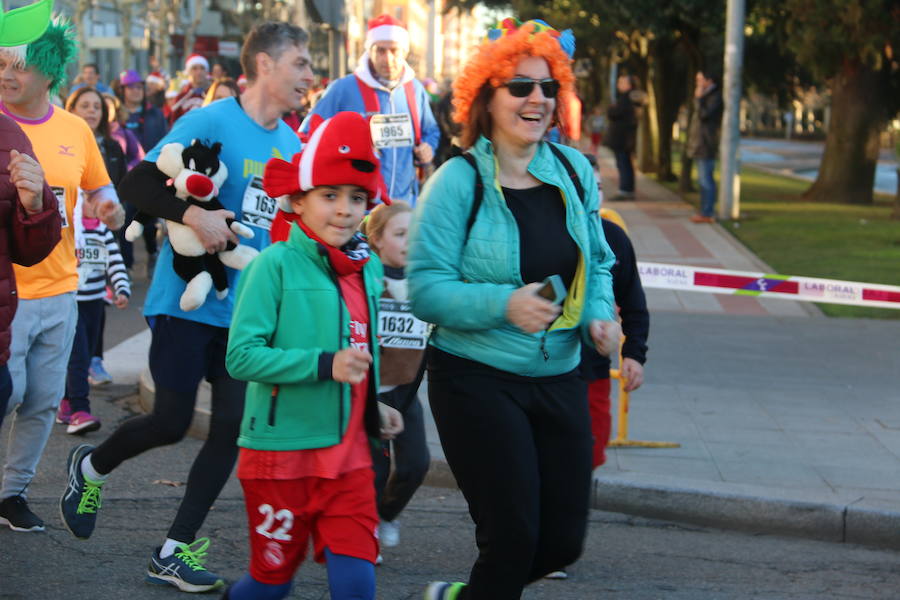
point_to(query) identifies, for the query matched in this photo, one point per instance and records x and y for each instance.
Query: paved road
(626, 557)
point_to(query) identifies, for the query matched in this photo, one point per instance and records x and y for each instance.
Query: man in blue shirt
(90, 76)
(190, 346)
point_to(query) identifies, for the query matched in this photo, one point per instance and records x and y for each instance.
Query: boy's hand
(350, 365)
(391, 421)
(121, 301)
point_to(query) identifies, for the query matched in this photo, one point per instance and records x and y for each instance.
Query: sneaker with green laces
(79, 503)
(442, 590)
(184, 569)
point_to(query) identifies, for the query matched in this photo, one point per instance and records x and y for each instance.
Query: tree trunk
(667, 101)
(81, 10)
(646, 133)
(858, 113)
(896, 213)
(190, 32)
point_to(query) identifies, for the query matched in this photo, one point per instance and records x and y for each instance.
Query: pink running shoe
(64, 412)
(82, 422)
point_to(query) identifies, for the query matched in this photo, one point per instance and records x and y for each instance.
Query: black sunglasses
(521, 87)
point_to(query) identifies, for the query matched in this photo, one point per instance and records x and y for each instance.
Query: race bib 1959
(92, 257)
(392, 131)
(258, 209)
(60, 194)
(398, 328)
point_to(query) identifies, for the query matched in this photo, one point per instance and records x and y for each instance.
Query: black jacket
(704, 134)
(621, 133)
(632, 307)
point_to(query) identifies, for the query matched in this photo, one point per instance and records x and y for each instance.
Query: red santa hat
(385, 28)
(196, 59)
(339, 152)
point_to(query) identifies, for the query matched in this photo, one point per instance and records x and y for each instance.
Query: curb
(753, 509)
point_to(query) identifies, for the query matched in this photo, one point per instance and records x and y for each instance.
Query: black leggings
(520, 449)
(395, 489)
(171, 417)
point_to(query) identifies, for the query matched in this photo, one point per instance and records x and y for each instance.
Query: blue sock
(247, 588)
(349, 578)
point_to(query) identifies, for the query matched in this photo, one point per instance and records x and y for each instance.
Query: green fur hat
(52, 52)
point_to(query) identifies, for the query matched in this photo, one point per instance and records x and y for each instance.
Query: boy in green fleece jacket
(303, 336)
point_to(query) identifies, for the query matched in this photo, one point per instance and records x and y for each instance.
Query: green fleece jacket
(464, 288)
(289, 320)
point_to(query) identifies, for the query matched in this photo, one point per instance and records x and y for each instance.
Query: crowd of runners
(315, 267)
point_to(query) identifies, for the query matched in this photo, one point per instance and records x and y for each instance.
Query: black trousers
(181, 354)
(395, 489)
(520, 449)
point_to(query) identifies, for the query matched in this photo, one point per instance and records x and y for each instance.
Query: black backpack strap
(479, 194)
(569, 169)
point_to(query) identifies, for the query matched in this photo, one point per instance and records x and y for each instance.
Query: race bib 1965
(258, 209)
(392, 131)
(398, 328)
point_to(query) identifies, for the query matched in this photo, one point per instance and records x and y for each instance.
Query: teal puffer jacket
(464, 289)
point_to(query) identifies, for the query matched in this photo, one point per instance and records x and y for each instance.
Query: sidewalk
(788, 422)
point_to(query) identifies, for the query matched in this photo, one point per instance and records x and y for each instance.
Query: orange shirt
(68, 153)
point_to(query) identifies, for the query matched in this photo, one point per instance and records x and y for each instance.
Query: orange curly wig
(494, 62)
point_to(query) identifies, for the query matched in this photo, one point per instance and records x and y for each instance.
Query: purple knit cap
(130, 76)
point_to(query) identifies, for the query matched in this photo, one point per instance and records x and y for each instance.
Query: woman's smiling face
(522, 121)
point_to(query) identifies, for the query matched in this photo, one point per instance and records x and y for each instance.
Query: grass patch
(831, 240)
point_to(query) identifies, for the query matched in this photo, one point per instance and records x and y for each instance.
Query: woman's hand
(350, 365)
(391, 421)
(528, 311)
(606, 335)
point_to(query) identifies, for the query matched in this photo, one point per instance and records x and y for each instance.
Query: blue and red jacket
(362, 93)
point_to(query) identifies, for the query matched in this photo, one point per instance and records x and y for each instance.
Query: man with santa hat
(383, 86)
(194, 91)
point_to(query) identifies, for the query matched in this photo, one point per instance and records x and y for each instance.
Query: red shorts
(339, 514)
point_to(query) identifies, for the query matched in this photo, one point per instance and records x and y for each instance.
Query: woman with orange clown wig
(514, 283)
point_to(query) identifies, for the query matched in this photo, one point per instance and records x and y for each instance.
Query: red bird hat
(339, 152)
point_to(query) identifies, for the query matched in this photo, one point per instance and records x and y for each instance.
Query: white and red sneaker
(82, 422)
(64, 412)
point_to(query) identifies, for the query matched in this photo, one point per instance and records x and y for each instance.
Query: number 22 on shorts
(283, 517)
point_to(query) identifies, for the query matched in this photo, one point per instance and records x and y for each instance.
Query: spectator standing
(621, 133)
(703, 141)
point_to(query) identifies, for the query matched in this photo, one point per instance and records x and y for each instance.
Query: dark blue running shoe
(81, 500)
(184, 569)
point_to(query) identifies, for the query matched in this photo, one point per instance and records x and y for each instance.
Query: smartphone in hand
(553, 289)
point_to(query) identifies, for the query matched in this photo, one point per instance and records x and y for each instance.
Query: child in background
(402, 340)
(303, 336)
(98, 259)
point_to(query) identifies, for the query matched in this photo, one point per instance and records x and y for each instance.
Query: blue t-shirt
(246, 147)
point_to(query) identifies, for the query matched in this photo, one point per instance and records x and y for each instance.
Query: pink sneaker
(64, 412)
(82, 422)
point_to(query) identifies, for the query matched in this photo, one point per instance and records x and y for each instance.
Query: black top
(632, 305)
(545, 246)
